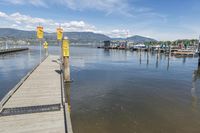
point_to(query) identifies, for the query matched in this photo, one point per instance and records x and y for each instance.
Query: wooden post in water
(147, 58)
(170, 50)
(148, 48)
(199, 52)
(65, 51)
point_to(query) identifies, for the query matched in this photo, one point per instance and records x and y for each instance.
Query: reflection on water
(133, 92)
(14, 66)
(195, 77)
(117, 91)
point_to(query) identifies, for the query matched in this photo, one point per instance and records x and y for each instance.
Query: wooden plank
(42, 87)
(31, 123)
(11, 92)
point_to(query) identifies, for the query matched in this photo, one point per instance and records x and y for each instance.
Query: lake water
(116, 91)
(15, 66)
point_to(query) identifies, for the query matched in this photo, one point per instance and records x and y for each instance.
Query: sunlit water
(15, 66)
(131, 92)
(116, 91)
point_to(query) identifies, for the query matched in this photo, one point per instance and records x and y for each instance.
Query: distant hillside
(119, 39)
(86, 37)
(8, 32)
(83, 37)
(76, 37)
(138, 39)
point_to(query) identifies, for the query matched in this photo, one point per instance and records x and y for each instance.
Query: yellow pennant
(65, 46)
(40, 33)
(59, 33)
(45, 45)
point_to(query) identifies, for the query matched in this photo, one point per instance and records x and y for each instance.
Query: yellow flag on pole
(59, 33)
(45, 45)
(65, 46)
(40, 33)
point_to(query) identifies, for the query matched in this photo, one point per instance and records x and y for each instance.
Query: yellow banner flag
(65, 46)
(59, 33)
(40, 33)
(45, 45)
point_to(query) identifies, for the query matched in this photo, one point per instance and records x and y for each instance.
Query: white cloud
(26, 22)
(121, 7)
(2, 14)
(107, 6)
(32, 2)
(78, 25)
(118, 33)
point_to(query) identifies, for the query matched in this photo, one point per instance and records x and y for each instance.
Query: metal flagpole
(40, 35)
(40, 51)
(59, 38)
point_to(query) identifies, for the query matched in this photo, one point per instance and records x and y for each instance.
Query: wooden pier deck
(37, 105)
(183, 53)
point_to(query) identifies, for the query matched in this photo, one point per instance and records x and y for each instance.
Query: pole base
(65, 81)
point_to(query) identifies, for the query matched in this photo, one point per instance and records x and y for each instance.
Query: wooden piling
(65, 51)
(66, 69)
(170, 50)
(199, 52)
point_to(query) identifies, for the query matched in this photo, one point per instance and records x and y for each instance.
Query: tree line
(188, 42)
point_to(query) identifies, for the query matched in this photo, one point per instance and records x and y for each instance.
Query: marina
(177, 49)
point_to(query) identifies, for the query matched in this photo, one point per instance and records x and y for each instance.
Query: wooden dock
(11, 50)
(183, 53)
(37, 104)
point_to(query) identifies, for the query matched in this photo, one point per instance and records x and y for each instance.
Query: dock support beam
(66, 69)
(170, 51)
(65, 52)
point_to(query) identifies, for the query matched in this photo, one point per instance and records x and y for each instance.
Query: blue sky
(159, 19)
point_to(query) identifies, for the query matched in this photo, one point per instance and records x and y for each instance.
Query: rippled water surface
(116, 91)
(132, 92)
(15, 66)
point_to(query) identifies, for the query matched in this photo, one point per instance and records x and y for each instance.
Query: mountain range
(76, 37)
(137, 39)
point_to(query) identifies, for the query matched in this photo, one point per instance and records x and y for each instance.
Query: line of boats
(179, 50)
